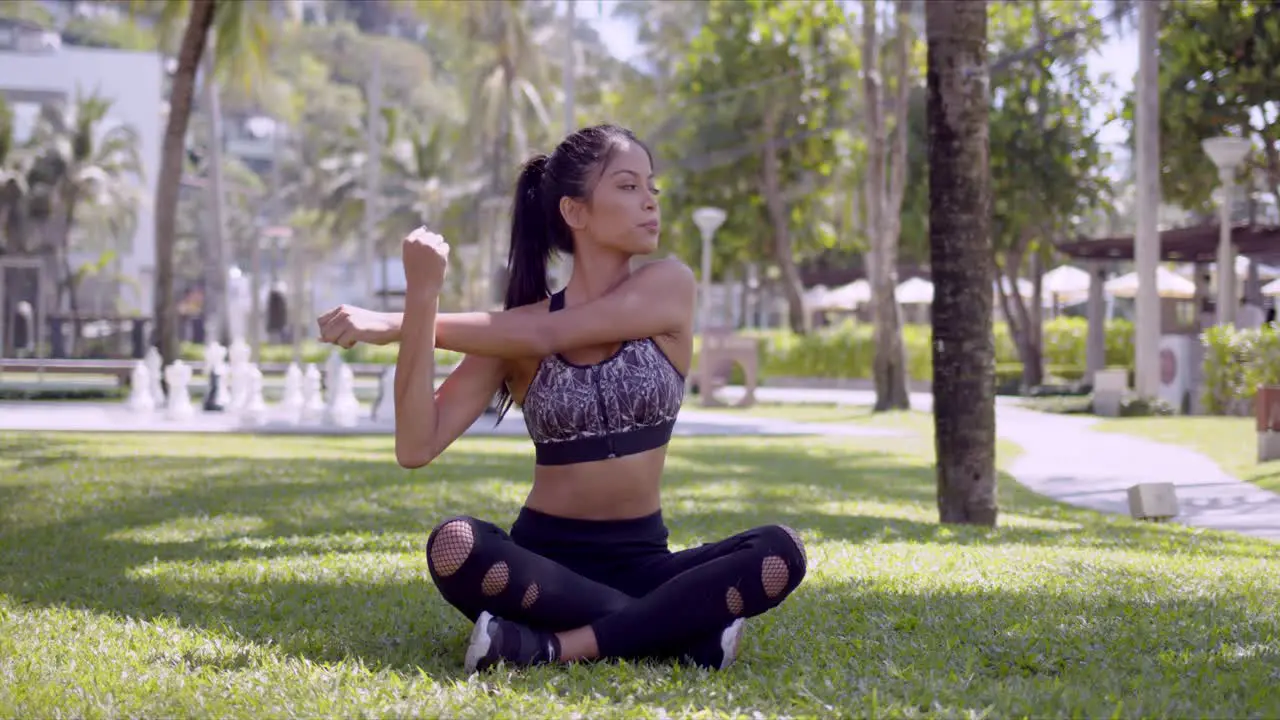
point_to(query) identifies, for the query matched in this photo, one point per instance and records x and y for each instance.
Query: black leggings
(643, 601)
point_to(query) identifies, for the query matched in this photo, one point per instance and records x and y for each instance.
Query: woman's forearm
(505, 334)
(415, 380)
(490, 334)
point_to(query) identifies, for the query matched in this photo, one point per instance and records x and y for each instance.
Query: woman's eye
(629, 187)
(655, 191)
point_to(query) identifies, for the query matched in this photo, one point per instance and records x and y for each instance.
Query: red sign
(1168, 366)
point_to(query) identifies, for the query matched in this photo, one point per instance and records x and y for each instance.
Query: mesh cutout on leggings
(451, 547)
(774, 575)
(733, 599)
(795, 537)
(530, 596)
(495, 580)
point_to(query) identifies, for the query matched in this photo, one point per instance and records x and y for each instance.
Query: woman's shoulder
(668, 270)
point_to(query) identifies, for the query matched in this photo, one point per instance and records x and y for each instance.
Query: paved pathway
(1062, 457)
(114, 417)
(1065, 459)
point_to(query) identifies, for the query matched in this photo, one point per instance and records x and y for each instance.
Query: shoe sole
(729, 642)
(479, 644)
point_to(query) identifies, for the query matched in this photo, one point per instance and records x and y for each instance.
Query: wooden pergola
(1198, 244)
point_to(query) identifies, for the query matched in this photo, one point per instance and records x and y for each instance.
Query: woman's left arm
(657, 299)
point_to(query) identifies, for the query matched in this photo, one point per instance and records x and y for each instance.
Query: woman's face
(622, 213)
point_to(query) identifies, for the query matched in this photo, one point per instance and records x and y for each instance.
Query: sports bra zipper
(604, 417)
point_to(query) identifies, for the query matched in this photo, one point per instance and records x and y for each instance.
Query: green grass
(1232, 442)
(230, 576)
(798, 412)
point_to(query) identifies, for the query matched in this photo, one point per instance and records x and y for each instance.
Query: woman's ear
(574, 212)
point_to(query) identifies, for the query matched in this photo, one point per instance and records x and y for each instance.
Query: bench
(719, 353)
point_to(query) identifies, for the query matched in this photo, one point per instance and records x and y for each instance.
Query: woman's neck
(595, 274)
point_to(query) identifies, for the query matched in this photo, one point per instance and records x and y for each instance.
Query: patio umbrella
(1168, 285)
(851, 295)
(916, 291)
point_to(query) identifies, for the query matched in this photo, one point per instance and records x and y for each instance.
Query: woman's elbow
(411, 461)
(413, 456)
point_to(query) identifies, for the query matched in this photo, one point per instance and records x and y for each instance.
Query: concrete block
(1268, 446)
(1109, 388)
(1153, 501)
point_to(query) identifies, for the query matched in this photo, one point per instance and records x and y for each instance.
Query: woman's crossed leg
(529, 609)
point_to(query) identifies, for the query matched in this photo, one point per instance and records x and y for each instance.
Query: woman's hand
(347, 325)
(426, 258)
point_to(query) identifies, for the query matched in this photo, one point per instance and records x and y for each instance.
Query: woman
(598, 369)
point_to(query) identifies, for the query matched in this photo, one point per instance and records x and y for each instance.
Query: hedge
(842, 351)
(1236, 362)
(848, 350)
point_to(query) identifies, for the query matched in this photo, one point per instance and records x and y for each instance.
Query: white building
(35, 69)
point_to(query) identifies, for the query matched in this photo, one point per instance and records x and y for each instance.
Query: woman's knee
(784, 563)
(451, 544)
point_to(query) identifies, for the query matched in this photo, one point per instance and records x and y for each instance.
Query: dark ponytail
(532, 230)
(537, 228)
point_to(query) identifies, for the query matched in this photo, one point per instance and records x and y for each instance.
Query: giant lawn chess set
(312, 401)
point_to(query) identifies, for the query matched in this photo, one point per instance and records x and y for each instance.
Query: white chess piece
(384, 407)
(178, 376)
(332, 367)
(215, 364)
(344, 409)
(154, 362)
(293, 398)
(240, 354)
(255, 407)
(313, 396)
(140, 399)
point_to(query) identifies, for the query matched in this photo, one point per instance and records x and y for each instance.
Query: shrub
(1236, 362)
(848, 351)
(318, 353)
(1135, 406)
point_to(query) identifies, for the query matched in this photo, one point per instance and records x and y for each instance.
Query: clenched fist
(426, 257)
(347, 325)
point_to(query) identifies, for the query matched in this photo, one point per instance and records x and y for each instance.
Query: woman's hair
(537, 228)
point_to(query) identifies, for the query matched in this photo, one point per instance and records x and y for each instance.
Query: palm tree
(960, 249)
(507, 109)
(14, 167)
(240, 45)
(83, 163)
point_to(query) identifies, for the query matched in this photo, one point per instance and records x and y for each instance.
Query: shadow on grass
(1098, 641)
(338, 542)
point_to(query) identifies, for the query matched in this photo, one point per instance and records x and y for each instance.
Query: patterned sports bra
(624, 405)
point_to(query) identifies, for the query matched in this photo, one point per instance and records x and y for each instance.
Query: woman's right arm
(429, 420)
(456, 405)
(459, 402)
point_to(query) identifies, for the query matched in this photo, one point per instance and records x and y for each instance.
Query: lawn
(1232, 442)
(227, 576)
(797, 412)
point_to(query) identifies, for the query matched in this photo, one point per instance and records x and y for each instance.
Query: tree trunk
(961, 252)
(1273, 168)
(885, 183)
(1024, 324)
(217, 310)
(199, 20)
(1036, 317)
(771, 188)
(67, 288)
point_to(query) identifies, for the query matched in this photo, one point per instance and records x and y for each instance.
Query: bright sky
(1119, 57)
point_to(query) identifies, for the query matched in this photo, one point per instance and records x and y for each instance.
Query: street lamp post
(1227, 153)
(708, 220)
(1146, 245)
